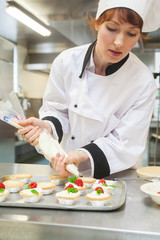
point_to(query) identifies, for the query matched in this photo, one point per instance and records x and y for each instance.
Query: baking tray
(117, 199)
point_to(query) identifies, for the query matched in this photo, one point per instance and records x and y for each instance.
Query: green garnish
(72, 190)
(29, 187)
(112, 186)
(1, 190)
(99, 191)
(34, 191)
(72, 179)
(105, 184)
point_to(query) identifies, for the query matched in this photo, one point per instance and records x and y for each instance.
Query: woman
(100, 97)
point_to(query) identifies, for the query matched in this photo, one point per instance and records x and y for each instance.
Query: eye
(111, 29)
(132, 34)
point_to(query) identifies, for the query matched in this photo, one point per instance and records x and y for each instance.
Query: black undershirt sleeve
(101, 166)
(57, 125)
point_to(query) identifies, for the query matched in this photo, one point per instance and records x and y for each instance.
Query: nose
(119, 40)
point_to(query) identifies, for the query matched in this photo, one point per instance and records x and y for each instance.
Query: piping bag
(12, 112)
(50, 147)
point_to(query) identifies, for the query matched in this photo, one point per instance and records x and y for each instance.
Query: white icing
(75, 186)
(65, 193)
(4, 192)
(108, 188)
(28, 191)
(95, 195)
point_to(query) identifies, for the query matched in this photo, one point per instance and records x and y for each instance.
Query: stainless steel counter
(137, 219)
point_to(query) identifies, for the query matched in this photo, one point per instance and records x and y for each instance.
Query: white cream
(28, 191)
(95, 195)
(75, 186)
(4, 192)
(65, 193)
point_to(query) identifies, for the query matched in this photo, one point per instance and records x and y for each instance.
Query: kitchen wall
(32, 82)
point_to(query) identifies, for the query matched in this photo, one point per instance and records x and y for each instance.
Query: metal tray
(117, 199)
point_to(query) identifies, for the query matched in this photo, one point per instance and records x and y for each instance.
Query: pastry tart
(13, 185)
(151, 171)
(47, 187)
(58, 179)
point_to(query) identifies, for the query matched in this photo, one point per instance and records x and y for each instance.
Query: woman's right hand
(32, 127)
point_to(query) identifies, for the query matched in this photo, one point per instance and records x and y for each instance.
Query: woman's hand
(59, 161)
(32, 127)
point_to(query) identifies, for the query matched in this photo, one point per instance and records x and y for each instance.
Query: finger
(23, 131)
(25, 123)
(32, 137)
(35, 136)
(54, 160)
(34, 140)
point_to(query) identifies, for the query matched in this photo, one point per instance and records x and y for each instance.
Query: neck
(100, 65)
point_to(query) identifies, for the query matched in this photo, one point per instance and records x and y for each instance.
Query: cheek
(131, 44)
(105, 38)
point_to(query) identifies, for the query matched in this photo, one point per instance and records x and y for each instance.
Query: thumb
(67, 159)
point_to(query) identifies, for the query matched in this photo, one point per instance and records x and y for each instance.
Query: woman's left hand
(59, 161)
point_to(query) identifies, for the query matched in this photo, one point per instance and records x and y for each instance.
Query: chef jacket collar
(109, 70)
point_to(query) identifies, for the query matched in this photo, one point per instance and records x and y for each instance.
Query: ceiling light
(27, 18)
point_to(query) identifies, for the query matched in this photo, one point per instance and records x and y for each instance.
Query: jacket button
(72, 137)
(75, 105)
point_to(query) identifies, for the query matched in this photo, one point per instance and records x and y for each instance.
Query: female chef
(100, 97)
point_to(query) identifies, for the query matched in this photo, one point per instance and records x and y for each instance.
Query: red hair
(124, 15)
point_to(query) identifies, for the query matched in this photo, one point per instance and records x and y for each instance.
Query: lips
(115, 53)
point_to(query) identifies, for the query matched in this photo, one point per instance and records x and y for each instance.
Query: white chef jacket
(108, 116)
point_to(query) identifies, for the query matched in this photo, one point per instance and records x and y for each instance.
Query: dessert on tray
(88, 181)
(68, 196)
(47, 187)
(106, 185)
(77, 183)
(58, 179)
(24, 177)
(3, 192)
(32, 193)
(98, 197)
(13, 185)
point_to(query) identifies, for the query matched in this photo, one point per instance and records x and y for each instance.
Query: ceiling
(67, 19)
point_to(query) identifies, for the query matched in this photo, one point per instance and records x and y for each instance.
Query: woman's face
(115, 40)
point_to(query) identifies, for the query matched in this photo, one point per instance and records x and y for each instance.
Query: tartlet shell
(44, 186)
(13, 183)
(56, 176)
(88, 179)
